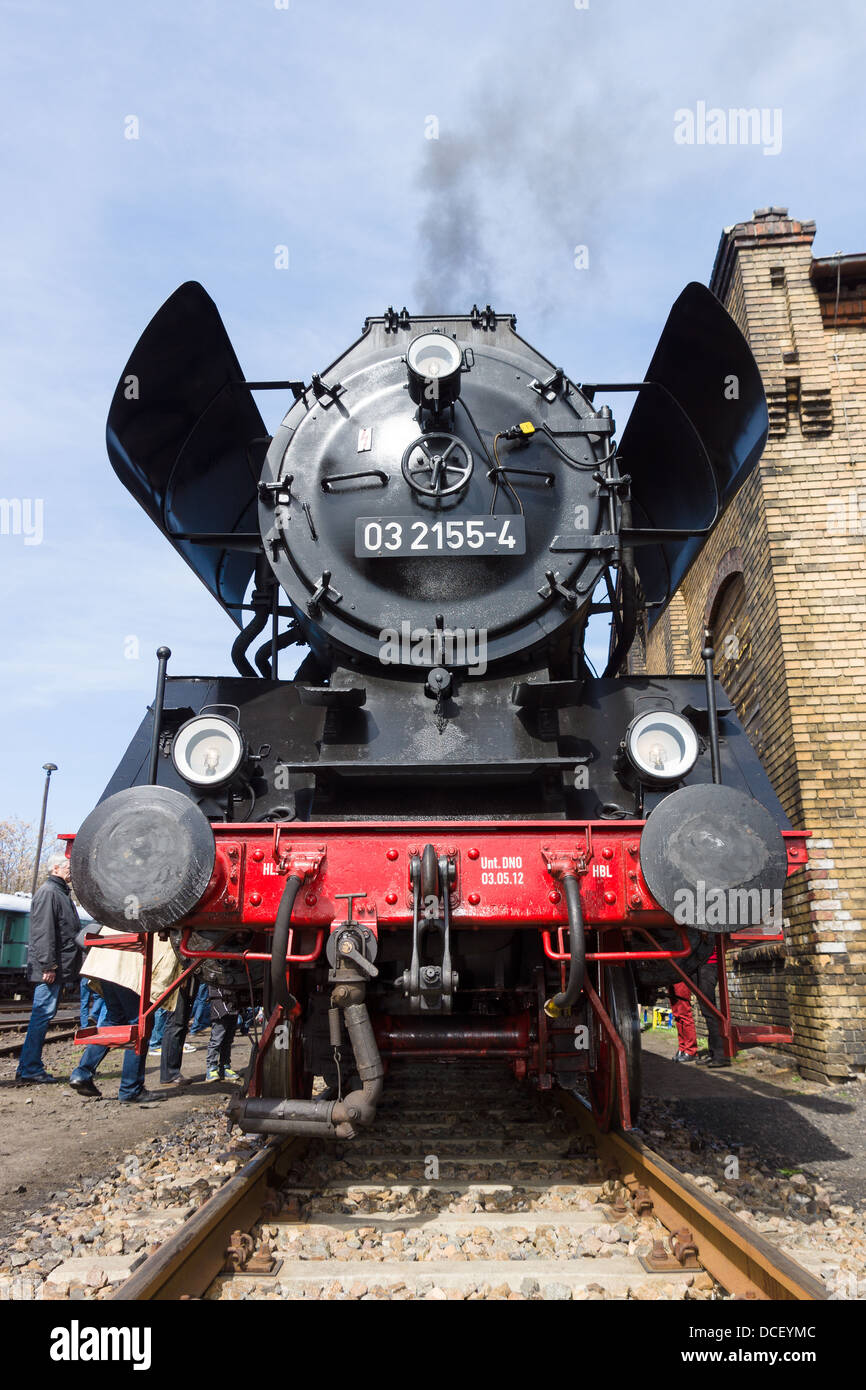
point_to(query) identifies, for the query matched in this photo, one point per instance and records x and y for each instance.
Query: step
(823, 1263)
(474, 1120)
(418, 1140)
(396, 1167)
(615, 1274)
(477, 1189)
(466, 1090)
(407, 1100)
(419, 1114)
(376, 1146)
(505, 1174)
(471, 1209)
(454, 1151)
(444, 1223)
(149, 1217)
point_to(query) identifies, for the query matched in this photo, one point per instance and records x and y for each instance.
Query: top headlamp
(433, 361)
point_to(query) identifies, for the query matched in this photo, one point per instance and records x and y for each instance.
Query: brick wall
(797, 529)
(757, 982)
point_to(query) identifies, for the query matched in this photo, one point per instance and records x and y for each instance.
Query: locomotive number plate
(381, 537)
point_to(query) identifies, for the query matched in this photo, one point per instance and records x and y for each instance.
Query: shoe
(230, 1074)
(84, 1087)
(175, 1081)
(213, 1075)
(718, 1062)
(43, 1078)
(141, 1098)
(155, 1051)
(686, 1057)
(188, 1047)
(703, 1058)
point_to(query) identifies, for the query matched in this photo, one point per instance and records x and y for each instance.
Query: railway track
(17, 1016)
(483, 1190)
(13, 1026)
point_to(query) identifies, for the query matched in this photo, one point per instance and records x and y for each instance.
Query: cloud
(307, 127)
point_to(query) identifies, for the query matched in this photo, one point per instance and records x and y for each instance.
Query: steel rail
(189, 1260)
(11, 1015)
(11, 1049)
(740, 1259)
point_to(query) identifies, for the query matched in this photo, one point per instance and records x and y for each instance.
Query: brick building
(782, 582)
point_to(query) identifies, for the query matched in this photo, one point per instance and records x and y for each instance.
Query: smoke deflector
(185, 436)
(696, 432)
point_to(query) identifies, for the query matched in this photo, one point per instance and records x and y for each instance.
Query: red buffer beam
(501, 872)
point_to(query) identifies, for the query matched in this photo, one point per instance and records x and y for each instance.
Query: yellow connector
(523, 431)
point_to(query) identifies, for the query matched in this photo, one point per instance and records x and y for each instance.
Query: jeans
(201, 1015)
(45, 1000)
(122, 1007)
(160, 1019)
(92, 1006)
(219, 1049)
(175, 1033)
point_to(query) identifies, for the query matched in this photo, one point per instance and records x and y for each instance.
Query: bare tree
(17, 851)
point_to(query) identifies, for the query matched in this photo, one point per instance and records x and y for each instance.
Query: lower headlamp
(208, 751)
(662, 747)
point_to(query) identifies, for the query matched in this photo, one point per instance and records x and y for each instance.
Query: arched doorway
(731, 625)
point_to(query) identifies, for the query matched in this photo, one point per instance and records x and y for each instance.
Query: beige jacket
(126, 967)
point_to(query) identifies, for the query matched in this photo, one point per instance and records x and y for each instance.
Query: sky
(429, 155)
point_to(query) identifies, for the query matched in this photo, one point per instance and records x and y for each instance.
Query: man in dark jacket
(702, 967)
(53, 959)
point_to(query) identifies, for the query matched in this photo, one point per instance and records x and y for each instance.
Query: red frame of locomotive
(507, 874)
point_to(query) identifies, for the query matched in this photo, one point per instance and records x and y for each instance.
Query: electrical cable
(247, 791)
(576, 463)
(498, 471)
(495, 465)
(460, 401)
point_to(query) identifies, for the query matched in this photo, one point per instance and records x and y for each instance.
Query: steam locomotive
(444, 835)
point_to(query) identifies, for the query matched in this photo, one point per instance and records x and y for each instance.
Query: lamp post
(48, 768)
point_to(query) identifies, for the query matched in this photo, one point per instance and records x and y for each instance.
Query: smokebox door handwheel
(437, 465)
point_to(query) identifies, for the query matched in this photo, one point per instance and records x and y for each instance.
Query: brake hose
(577, 946)
(279, 948)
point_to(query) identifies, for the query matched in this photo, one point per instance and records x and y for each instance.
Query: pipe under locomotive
(444, 835)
